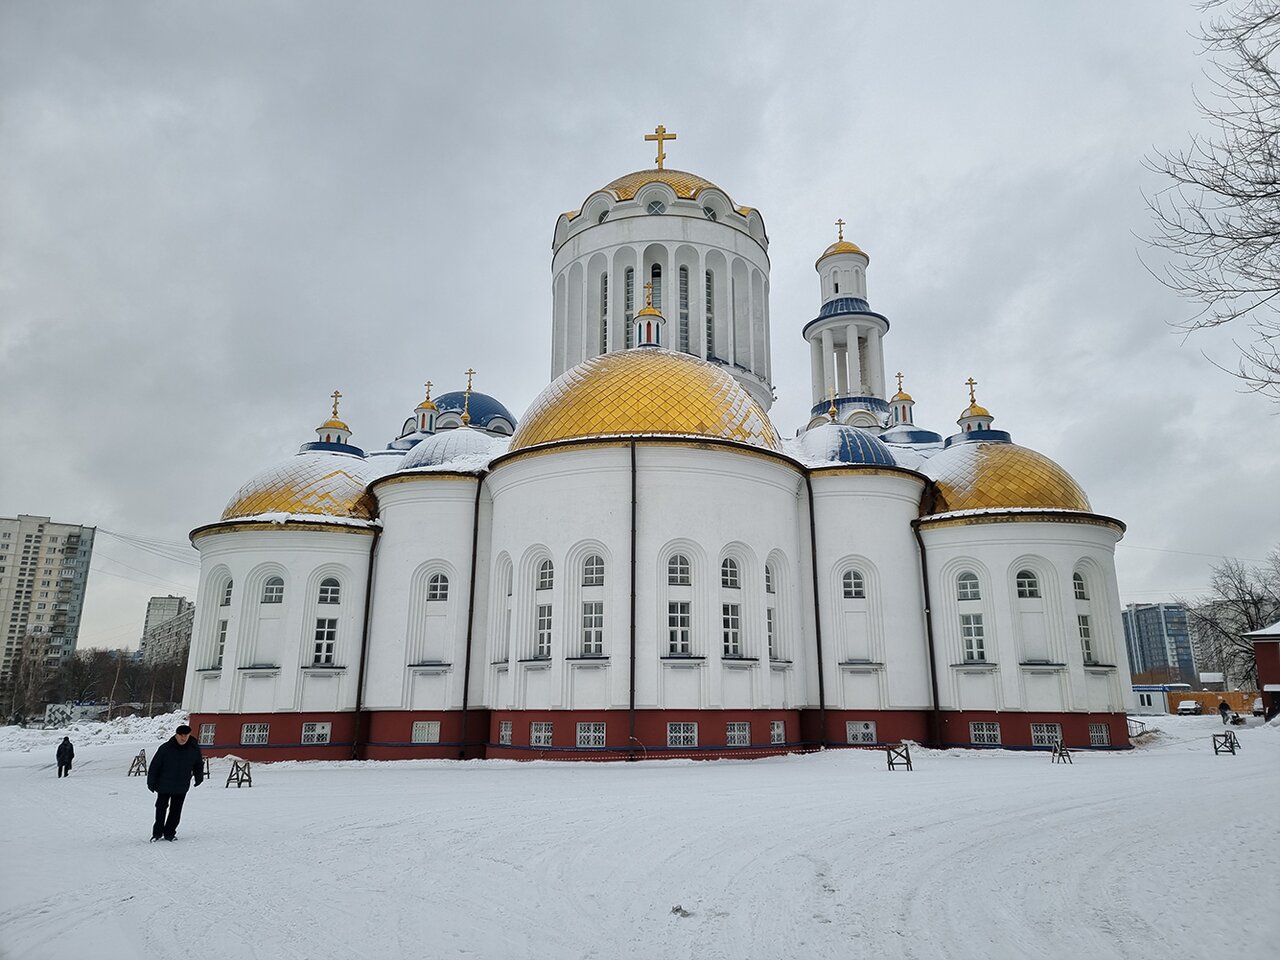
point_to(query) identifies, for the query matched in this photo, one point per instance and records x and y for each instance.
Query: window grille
(984, 731)
(504, 732)
(860, 731)
(678, 573)
(326, 641)
(684, 310)
(729, 578)
(777, 731)
(316, 732)
(1028, 585)
(682, 734)
(604, 312)
(540, 733)
(974, 639)
(1046, 734)
(737, 734)
(425, 731)
(542, 640)
(592, 628)
(731, 625)
(967, 587)
(855, 586)
(330, 591)
(629, 304)
(546, 575)
(208, 732)
(251, 733)
(711, 316)
(679, 627)
(437, 587)
(593, 572)
(273, 590)
(1099, 735)
(590, 735)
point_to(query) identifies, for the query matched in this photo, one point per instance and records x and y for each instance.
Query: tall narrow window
(711, 314)
(768, 580)
(330, 591)
(1028, 585)
(593, 571)
(684, 310)
(678, 571)
(326, 641)
(771, 629)
(226, 595)
(220, 645)
(972, 635)
(655, 277)
(592, 628)
(731, 626)
(855, 585)
(604, 313)
(273, 590)
(729, 574)
(438, 587)
(1082, 592)
(1086, 638)
(542, 637)
(967, 587)
(629, 303)
(546, 575)
(679, 628)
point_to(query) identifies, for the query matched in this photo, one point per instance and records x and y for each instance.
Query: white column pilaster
(856, 386)
(815, 369)
(877, 363)
(828, 363)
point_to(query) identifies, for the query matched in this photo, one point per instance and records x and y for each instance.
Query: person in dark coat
(1223, 711)
(169, 778)
(66, 753)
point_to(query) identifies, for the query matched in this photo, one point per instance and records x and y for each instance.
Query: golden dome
(840, 246)
(647, 390)
(975, 410)
(321, 484)
(901, 395)
(649, 310)
(686, 185)
(983, 476)
(333, 423)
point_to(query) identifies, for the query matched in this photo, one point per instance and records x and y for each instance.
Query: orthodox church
(640, 565)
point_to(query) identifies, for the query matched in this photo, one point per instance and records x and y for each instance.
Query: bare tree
(1219, 218)
(1244, 598)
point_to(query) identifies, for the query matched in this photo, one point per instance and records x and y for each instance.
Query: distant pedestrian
(169, 778)
(1224, 711)
(66, 753)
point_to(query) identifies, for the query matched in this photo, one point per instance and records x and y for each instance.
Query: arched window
(855, 586)
(729, 574)
(967, 587)
(835, 282)
(1082, 592)
(593, 571)
(709, 299)
(273, 590)
(683, 341)
(655, 277)
(226, 594)
(546, 575)
(437, 587)
(629, 304)
(604, 311)
(678, 571)
(1028, 585)
(768, 580)
(330, 592)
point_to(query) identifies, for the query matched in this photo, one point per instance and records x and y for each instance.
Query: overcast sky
(211, 215)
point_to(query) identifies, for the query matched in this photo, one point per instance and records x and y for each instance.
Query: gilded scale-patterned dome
(841, 246)
(644, 391)
(686, 185)
(975, 475)
(317, 483)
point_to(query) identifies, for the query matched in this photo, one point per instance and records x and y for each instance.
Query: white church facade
(640, 565)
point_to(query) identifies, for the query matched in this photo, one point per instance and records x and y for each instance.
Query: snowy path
(1155, 852)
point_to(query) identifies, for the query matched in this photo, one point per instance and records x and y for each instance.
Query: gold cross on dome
(428, 386)
(648, 294)
(660, 134)
(899, 375)
(840, 228)
(336, 395)
(466, 400)
(972, 383)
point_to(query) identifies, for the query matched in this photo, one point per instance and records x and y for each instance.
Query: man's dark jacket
(174, 765)
(66, 752)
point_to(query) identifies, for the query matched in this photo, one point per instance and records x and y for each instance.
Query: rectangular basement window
(426, 731)
(860, 731)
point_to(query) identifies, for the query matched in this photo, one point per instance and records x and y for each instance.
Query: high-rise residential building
(166, 639)
(1158, 640)
(44, 567)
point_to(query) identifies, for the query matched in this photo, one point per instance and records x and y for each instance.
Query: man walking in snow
(1223, 710)
(66, 753)
(169, 778)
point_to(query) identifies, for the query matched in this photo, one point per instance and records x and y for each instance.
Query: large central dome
(686, 185)
(645, 391)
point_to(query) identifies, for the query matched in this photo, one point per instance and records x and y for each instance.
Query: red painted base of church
(616, 735)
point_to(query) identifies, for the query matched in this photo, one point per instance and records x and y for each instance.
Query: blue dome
(838, 443)
(483, 408)
(874, 404)
(909, 433)
(845, 306)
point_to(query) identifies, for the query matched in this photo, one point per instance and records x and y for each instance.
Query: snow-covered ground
(1164, 851)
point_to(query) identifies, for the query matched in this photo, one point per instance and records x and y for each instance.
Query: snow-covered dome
(449, 446)
(838, 443)
(320, 483)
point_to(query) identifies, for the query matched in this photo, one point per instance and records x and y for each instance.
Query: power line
(1188, 553)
